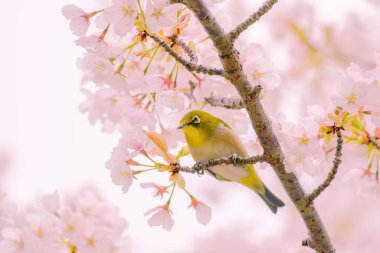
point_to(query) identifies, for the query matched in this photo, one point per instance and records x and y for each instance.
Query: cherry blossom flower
(202, 211)
(160, 15)
(121, 15)
(136, 80)
(319, 116)
(94, 43)
(352, 96)
(178, 179)
(93, 239)
(97, 69)
(42, 233)
(303, 151)
(13, 240)
(159, 190)
(71, 224)
(161, 216)
(48, 225)
(364, 181)
(79, 19)
(107, 106)
(101, 71)
(173, 100)
(121, 173)
(136, 119)
(259, 68)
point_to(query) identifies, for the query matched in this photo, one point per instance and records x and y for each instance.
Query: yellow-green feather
(197, 136)
(253, 181)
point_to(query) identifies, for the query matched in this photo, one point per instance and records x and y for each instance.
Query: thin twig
(337, 160)
(251, 19)
(178, 2)
(233, 159)
(190, 66)
(187, 49)
(374, 142)
(190, 93)
(234, 103)
(229, 103)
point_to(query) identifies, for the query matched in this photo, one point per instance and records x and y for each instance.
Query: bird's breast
(217, 147)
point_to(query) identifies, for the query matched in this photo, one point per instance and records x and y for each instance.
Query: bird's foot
(199, 169)
(234, 159)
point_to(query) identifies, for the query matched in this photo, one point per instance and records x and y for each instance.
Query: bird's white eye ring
(196, 120)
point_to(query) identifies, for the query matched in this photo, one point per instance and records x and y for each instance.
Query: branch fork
(191, 64)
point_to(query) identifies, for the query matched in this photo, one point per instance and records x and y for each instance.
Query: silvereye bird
(209, 138)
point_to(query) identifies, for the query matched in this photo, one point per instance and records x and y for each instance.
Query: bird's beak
(183, 125)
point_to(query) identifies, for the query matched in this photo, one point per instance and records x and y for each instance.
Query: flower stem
(171, 194)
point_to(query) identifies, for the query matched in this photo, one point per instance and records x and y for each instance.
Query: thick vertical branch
(318, 237)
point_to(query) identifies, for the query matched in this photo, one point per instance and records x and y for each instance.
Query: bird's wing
(225, 137)
(224, 142)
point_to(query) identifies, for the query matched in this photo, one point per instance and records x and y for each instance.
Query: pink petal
(72, 11)
(161, 218)
(150, 211)
(79, 26)
(203, 213)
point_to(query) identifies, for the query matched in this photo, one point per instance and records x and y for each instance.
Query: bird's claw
(200, 172)
(234, 159)
(198, 169)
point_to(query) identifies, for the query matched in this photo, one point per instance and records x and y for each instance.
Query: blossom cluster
(84, 223)
(132, 85)
(124, 167)
(333, 71)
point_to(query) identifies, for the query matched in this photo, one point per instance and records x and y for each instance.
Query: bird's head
(199, 126)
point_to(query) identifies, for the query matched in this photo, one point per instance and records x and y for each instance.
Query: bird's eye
(196, 120)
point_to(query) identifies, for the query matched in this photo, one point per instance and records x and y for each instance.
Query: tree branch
(178, 2)
(233, 73)
(233, 159)
(374, 142)
(190, 66)
(229, 103)
(187, 49)
(338, 154)
(234, 34)
(232, 103)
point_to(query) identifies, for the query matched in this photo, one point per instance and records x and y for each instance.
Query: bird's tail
(254, 182)
(271, 200)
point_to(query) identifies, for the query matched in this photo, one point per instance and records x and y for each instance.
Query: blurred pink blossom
(121, 15)
(202, 211)
(161, 217)
(160, 15)
(121, 172)
(259, 68)
(159, 190)
(352, 97)
(79, 19)
(50, 226)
